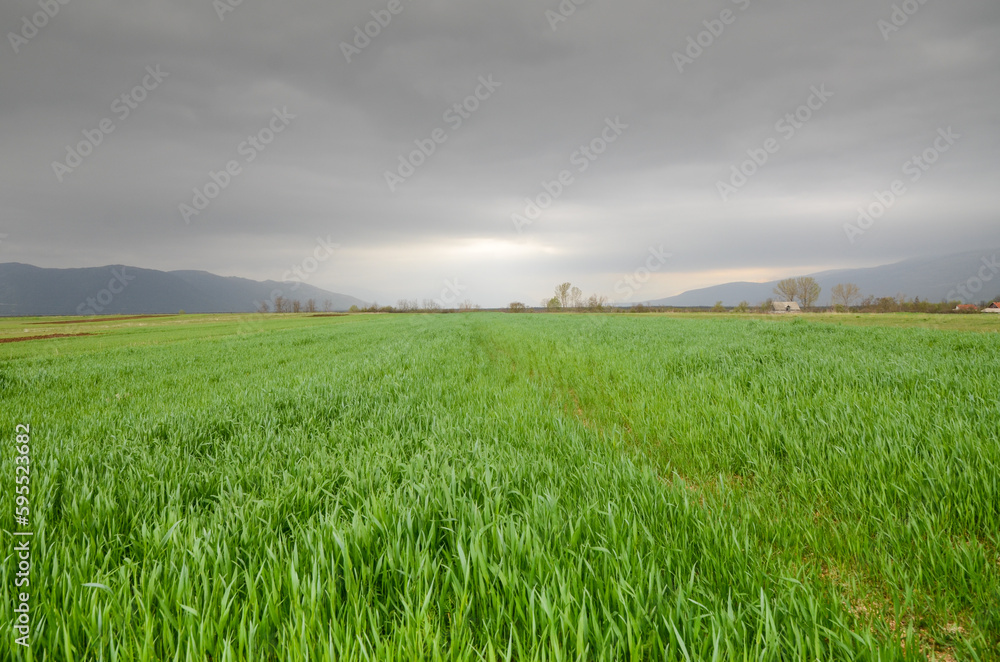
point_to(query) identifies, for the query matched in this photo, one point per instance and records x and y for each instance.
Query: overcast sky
(672, 94)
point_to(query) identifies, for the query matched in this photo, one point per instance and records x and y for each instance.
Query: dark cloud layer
(887, 92)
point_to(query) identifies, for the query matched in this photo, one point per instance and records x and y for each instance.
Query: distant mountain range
(120, 290)
(930, 278)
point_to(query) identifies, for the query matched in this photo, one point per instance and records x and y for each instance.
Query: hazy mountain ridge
(934, 278)
(26, 290)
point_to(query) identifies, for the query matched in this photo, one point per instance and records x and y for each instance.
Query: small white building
(785, 307)
(992, 308)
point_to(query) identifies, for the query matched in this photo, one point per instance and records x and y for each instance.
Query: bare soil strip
(48, 337)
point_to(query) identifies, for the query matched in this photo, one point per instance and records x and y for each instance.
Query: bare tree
(296, 306)
(327, 306)
(467, 305)
(262, 307)
(431, 304)
(845, 294)
(576, 297)
(563, 294)
(311, 306)
(597, 302)
(516, 307)
(809, 291)
(787, 290)
(280, 304)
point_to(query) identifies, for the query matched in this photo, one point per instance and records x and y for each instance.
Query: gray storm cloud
(757, 134)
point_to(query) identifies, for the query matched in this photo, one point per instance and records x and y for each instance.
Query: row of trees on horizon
(285, 305)
(847, 296)
(567, 297)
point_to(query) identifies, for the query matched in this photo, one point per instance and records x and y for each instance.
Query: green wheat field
(506, 487)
